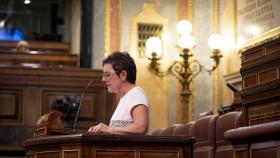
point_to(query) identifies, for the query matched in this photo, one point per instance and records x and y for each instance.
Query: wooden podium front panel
(30, 156)
(58, 150)
(114, 153)
(135, 153)
(160, 153)
(75, 153)
(117, 152)
(114, 146)
(48, 154)
(45, 154)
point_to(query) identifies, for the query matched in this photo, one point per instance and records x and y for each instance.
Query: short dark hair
(122, 61)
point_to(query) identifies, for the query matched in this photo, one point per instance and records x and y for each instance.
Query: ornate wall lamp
(186, 69)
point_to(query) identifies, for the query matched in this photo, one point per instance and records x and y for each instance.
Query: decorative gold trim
(120, 23)
(190, 10)
(107, 28)
(216, 15)
(263, 38)
(216, 74)
(191, 15)
(215, 91)
(235, 21)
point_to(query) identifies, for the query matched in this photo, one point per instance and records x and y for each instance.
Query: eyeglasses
(107, 75)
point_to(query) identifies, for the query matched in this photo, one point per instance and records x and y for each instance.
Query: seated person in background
(10, 32)
(131, 115)
(22, 47)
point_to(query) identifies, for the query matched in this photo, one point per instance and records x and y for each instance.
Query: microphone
(232, 87)
(80, 104)
(221, 109)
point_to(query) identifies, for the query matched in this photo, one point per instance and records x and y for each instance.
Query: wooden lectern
(51, 139)
(90, 145)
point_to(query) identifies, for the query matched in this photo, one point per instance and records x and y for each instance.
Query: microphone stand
(80, 103)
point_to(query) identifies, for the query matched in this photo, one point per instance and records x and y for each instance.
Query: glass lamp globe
(184, 27)
(215, 41)
(153, 47)
(186, 42)
(27, 1)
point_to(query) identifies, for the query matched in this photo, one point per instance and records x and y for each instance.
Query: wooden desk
(260, 71)
(39, 59)
(41, 46)
(89, 145)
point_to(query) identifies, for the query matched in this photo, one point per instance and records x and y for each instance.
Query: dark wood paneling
(250, 81)
(160, 154)
(10, 79)
(240, 153)
(267, 75)
(269, 152)
(252, 55)
(115, 153)
(11, 105)
(262, 113)
(40, 54)
(260, 95)
(261, 82)
(71, 153)
(28, 93)
(30, 155)
(91, 112)
(48, 154)
(273, 48)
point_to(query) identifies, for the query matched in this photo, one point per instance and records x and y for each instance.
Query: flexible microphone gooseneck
(221, 109)
(232, 87)
(80, 104)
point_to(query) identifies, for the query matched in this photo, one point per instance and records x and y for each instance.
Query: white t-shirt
(122, 115)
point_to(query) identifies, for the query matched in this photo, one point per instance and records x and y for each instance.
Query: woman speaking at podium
(131, 115)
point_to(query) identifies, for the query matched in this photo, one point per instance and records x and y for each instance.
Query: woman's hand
(100, 128)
